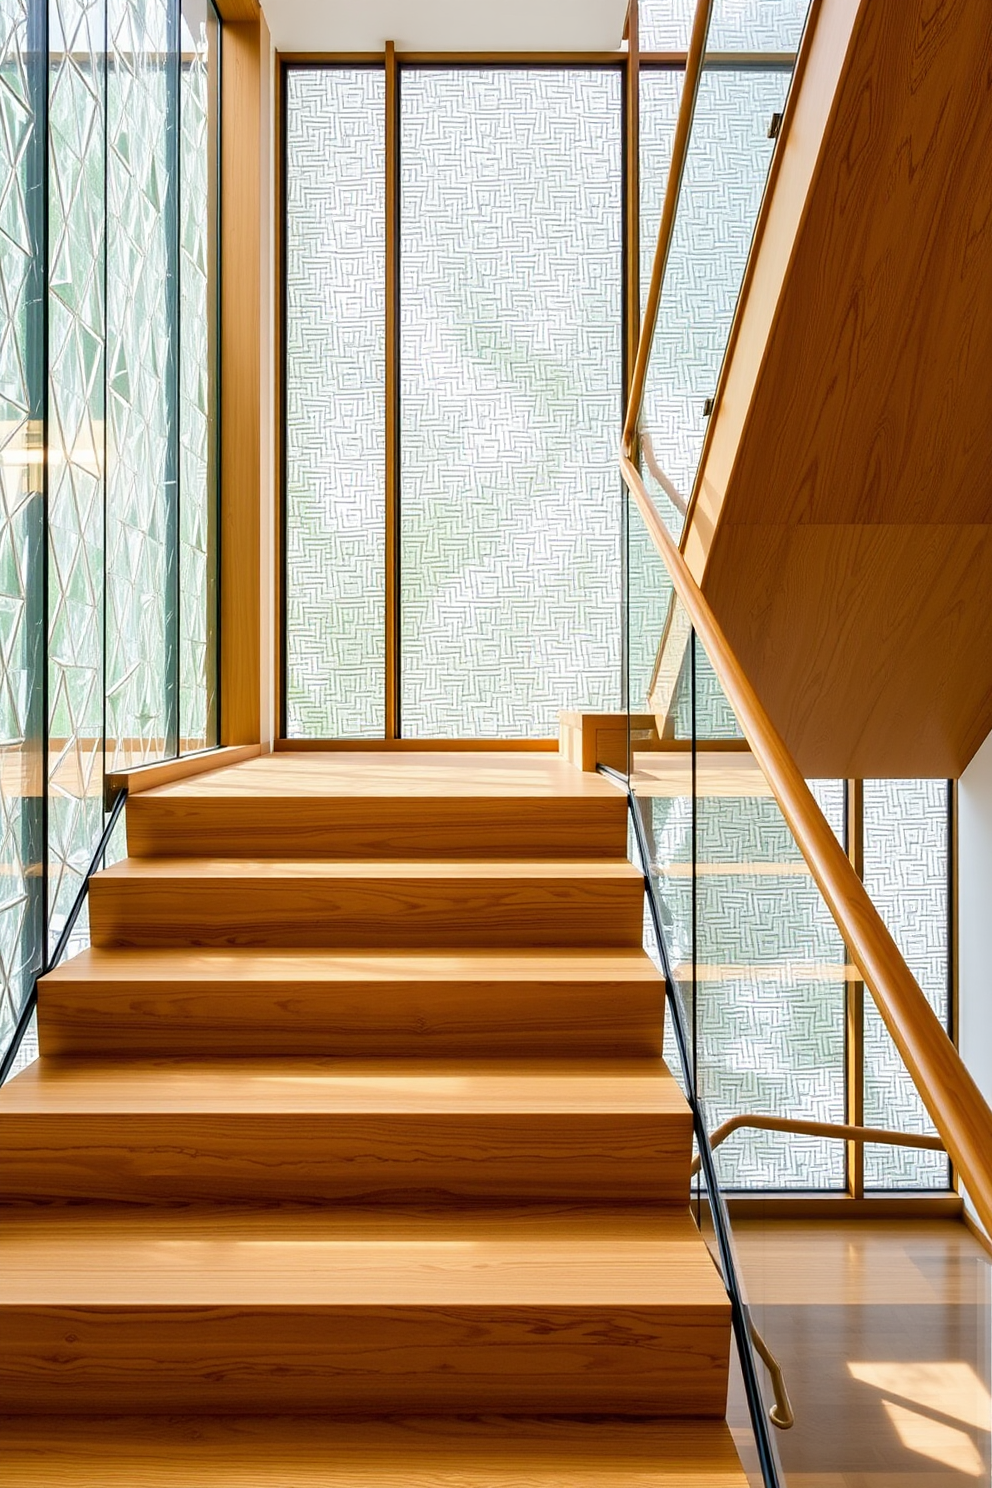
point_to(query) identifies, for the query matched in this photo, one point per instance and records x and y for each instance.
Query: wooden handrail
(955, 1103)
(673, 187)
(797, 1127)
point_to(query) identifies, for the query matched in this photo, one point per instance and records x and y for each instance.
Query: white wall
(975, 917)
(446, 25)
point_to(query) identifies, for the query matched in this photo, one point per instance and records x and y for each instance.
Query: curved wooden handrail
(836, 1129)
(955, 1103)
(673, 187)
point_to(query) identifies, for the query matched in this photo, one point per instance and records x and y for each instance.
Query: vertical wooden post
(392, 342)
(855, 1114)
(240, 354)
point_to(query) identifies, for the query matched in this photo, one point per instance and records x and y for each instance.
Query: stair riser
(409, 1157)
(411, 913)
(485, 1020)
(611, 1360)
(372, 828)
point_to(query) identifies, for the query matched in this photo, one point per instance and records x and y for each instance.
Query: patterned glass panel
(906, 843)
(335, 410)
(511, 297)
(198, 115)
(23, 86)
(76, 308)
(736, 25)
(141, 391)
(727, 164)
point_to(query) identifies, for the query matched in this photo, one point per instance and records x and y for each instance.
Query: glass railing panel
(725, 173)
(738, 25)
(906, 872)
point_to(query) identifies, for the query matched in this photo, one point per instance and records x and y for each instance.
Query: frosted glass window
(511, 325)
(335, 409)
(736, 25)
(906, 843)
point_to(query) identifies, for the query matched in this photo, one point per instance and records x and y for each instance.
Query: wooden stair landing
(356, 1108)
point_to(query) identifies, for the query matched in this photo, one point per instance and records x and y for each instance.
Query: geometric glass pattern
(199, 109)
(76, 371)
(906, 871)
(726, 167)
(141, 401)
(511, 383)
(335, 402)
(89, 368)
(735, 25)
(23, 89)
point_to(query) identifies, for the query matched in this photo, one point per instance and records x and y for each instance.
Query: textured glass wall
(335, 410)
(199, 114)
(725, 173)
(142, 412)
(77, 311)
(736, 25)
(90, 111)
(511, 315)
(23, 91)
(906, 846)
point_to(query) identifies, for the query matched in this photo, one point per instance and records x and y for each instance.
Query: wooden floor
(884, 1330)
(351, 1156)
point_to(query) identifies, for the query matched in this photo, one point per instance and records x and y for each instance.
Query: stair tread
(540, 870)
(237, 966)
(331, 1086)
(281, 1257)
(429, 774)
(313, 1452)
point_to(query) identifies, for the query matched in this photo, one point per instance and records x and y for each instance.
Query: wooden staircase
(351, 1157)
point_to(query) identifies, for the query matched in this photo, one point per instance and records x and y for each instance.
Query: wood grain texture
(311, 1452)
(842, 527)
(147, 777)
(241, 301)
(387, 1003)
(320, 1130)
(173, 902)
(647, 1360)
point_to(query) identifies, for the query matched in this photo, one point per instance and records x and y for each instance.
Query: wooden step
(343, 1129)
(265, 902)
(270, 1311)
(243, 1002)
(395, 807)
(418, 1452)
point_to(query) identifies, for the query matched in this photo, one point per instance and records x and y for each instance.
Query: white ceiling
(445, 25)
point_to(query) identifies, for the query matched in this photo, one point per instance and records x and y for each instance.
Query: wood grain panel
(648, 1360)
(453, 1452)
(299, 1002)
(336, 827)
(887, 680)
(149, 902)
(856, 416)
